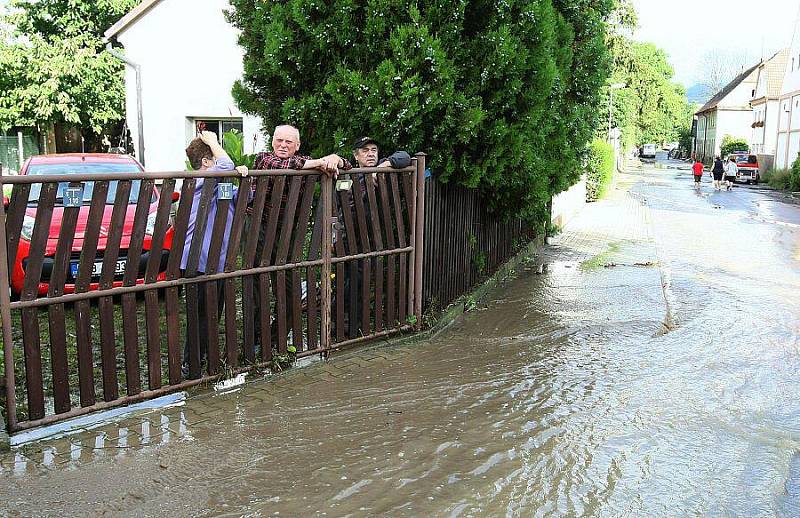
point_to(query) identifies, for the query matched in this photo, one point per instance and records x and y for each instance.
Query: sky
(688, 29)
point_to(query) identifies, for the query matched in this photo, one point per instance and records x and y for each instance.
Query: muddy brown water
(564, 395)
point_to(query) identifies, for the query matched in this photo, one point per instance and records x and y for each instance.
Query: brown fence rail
(464, 242)
(122, 295)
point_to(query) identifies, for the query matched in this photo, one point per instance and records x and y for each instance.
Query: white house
(189, 59)
(765, 103)
(788, 134)
(727, 113)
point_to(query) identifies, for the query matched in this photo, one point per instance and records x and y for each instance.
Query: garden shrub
(599, 169)
(784, 179)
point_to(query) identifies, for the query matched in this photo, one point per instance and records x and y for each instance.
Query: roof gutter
(140, 118)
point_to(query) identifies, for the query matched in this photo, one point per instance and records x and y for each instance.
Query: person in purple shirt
(206, 154)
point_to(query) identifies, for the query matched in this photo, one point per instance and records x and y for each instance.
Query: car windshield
(88, 187)
(745, 159)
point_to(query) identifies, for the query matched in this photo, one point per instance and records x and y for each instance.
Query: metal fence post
(419, 238)
(5, 316)
(327, 222)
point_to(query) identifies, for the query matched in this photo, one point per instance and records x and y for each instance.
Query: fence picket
(56, 313)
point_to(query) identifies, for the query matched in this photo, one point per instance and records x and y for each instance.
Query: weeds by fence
(464, 242)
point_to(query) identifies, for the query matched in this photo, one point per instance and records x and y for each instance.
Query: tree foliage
(54, 66)
(502, 96)
(730, 144)
(652, 108)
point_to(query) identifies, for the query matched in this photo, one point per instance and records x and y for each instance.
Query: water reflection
(88, 445)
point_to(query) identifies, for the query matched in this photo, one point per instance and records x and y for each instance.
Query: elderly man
(285, 145)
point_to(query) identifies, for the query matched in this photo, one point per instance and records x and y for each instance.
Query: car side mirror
(175, 196)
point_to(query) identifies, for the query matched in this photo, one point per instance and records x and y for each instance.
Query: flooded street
(647, 363)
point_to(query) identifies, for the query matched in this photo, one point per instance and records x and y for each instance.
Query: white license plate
(97, 268)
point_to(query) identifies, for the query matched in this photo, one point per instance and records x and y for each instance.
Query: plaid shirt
(271, 161)
(265, 161)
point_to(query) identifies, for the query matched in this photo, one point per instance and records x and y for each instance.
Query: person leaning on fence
(365, 154)
(285, 145)
(206, 154)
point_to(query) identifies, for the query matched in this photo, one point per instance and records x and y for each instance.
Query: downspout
(140, 118)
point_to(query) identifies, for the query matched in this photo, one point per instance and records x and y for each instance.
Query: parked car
(648, 151)
(748, 167)
(82, 163)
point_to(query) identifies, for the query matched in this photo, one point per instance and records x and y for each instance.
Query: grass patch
(784, 179)
(600, 260)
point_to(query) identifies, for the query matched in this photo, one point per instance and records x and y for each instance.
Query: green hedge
(503, 97)
(599, 169)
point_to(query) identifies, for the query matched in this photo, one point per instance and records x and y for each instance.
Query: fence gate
(128, 286)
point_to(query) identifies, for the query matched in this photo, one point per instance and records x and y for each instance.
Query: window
(218, 126)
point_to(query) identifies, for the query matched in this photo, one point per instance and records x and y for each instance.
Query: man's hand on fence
(242, 170)
(332, 164)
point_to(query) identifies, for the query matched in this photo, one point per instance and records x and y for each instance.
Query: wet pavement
(647, 363)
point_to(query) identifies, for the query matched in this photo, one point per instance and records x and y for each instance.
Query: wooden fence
(329, 264)
(464, 242)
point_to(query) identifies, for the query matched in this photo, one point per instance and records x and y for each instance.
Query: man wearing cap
(365, 153)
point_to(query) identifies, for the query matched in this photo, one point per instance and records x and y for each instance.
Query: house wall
(706, 128)
(189, 77)
(758, 134)
(788, 132)
(788, 138)
(735, 123)
(770, 127)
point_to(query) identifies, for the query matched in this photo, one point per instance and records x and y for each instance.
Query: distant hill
(697, 94)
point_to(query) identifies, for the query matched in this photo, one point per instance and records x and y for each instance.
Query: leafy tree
(652, 108)
(502, 96)
(54, 66)
(730, 144)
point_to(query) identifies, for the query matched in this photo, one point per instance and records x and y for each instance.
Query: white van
(648, 151)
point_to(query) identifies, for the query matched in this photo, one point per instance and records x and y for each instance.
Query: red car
(82, 163)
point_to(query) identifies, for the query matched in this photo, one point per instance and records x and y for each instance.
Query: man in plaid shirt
(285, 144)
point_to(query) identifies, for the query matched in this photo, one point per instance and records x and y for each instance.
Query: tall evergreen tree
(502, 96)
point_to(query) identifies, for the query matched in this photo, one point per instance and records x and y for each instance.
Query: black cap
(363, 142)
